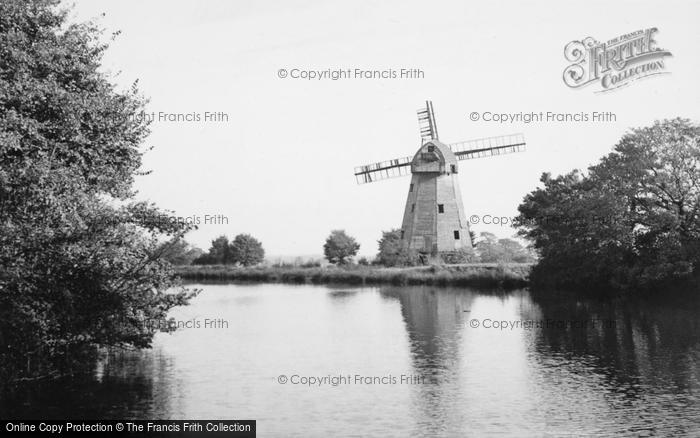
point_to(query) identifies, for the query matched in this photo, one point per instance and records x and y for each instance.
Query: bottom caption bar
(182, 428)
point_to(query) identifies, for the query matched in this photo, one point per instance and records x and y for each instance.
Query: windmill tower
(434, 220)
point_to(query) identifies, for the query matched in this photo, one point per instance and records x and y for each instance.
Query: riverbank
(511, 275)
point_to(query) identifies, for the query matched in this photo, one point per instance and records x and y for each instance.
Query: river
(401, 361)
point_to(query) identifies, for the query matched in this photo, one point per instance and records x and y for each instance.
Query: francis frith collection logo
(616, 62)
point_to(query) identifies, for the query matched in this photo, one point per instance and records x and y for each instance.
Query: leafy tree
(563, 221)
(392, 251)
(220, 250)
(247, 250)
(494, 250)
(179, 252)
(632, 221)
(488, 248)
(79, 269)
(219, 253)
(517, 253)
(339, 247)
(655, 174)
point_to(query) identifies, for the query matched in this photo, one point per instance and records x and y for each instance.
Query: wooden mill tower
(434, 220)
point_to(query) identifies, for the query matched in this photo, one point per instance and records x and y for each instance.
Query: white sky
(282, 167)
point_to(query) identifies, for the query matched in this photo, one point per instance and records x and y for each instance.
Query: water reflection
(122, 387)
(637, 375)
(588, 368)
(433, 320)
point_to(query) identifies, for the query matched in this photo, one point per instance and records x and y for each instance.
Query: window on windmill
(413, 208)
(453, 168)
(456, 234)
(410, 188)
(402, 234)
(441, 208)
(431, 148)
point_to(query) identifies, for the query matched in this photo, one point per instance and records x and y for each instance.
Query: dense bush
(393, 251)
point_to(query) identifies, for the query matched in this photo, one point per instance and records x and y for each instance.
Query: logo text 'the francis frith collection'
(615, 63)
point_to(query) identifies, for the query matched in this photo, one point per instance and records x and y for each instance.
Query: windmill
(434, 220)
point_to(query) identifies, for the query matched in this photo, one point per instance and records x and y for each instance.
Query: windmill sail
(487, 147)
(426, 122)
(383, 170)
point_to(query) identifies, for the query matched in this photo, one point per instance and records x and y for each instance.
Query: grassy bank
(512, 275)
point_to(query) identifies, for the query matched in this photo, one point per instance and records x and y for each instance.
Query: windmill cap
(433, 156)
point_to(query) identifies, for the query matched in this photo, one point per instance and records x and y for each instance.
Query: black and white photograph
(313, 218)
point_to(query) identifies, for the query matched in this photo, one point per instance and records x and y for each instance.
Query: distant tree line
(243, 250)
(340, 249)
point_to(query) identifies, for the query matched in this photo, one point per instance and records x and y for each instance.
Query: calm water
(592, 369)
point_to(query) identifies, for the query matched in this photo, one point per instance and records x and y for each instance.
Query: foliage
(310, 263)
(220, 251)
(458, 257)
(178, 252)
(244, 250)
(247, 250)
(393, 252)
(78, 267)
(632, 221)
(491, 249)
(339, 247)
